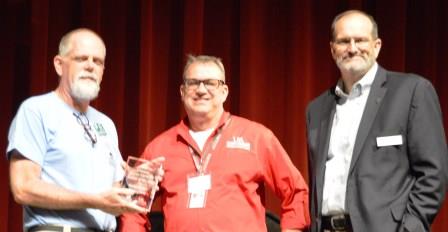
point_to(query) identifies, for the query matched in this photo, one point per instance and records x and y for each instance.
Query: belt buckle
(337, 227)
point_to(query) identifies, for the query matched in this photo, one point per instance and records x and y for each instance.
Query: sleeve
(311, 147)
(27, 134)
(287, 182)
(135, 222)
(427, 155)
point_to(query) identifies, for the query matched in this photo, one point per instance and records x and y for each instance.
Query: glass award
(139, 178)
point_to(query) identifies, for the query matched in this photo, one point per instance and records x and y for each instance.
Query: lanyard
(201, 162)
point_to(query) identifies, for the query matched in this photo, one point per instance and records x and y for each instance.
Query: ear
(181, 90)
(225, 92)
(332, 50)
(57, 62)
(377, 47)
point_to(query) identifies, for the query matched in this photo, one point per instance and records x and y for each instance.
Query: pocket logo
(238, 142)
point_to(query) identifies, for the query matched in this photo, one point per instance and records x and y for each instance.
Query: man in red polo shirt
(216, 164)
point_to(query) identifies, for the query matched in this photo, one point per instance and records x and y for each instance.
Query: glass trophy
(140, 179)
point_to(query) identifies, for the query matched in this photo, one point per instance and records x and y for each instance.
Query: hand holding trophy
(143, 177)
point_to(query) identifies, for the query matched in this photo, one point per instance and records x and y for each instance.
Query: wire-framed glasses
(360, 42)
(84, 122)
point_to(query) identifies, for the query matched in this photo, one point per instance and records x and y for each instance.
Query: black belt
(59, 228)
(339, 222)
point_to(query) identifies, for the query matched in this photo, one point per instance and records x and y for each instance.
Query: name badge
(198, 187)
(389, 140)
(199, 183)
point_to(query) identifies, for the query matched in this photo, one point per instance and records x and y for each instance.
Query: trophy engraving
(140, 179)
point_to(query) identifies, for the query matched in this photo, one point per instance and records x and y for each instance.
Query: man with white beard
(65, 165)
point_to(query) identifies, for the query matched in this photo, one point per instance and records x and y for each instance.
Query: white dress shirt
(347, 117)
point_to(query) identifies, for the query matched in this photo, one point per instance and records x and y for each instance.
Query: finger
(133, 207)
(154, 164)
(156, 187)
(159, 178)
(151, 182)
(124, 191)
(158, 161)
(160, 172)
(124, 165)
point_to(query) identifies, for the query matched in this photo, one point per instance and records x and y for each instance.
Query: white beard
(85, 90)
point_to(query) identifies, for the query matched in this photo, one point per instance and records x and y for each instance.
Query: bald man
(65, 165)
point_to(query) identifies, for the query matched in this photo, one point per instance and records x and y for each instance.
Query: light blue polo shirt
(45, 131)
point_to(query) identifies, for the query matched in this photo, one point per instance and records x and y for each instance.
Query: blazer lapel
(325, 129)
(328, 111)
(377, 92)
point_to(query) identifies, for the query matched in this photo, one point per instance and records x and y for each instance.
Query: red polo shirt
(246, 157)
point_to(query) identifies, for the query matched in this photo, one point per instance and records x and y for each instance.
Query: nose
(352, 46)
(89, 64)
(201, 87)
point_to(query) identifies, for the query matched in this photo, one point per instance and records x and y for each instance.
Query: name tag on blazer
(392, 140)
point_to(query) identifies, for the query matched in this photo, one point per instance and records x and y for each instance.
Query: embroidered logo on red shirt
(238, 142)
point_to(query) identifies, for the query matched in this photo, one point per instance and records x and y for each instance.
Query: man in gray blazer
(376, 143)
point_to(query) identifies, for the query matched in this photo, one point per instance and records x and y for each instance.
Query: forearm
(29, 189)
(45, 195)
(287, 182)
(40, 194)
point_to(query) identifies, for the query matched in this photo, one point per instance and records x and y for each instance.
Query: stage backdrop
(276, 54)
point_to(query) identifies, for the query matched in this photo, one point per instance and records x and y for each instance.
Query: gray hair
(65, 44)
(204, 59)
(349, 12)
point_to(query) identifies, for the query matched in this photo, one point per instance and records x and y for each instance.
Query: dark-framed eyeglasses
(209, 84)
(83, 120)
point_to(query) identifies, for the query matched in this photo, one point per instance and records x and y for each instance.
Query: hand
(144, 175)
(152, 167)
(156, 166)
(115, 202)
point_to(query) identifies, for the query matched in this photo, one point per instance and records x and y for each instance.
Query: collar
(359, 87)
(183, 129)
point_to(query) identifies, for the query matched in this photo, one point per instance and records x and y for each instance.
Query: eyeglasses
(84, 121)
(346, 42)
(209, 84)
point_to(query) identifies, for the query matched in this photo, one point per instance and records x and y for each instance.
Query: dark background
(276, 54)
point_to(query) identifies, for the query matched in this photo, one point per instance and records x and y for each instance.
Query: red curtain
(276, 54)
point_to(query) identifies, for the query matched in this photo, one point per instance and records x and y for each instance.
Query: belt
(63, 228)
(336, 223)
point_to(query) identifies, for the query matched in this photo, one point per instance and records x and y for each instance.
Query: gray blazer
(389, 188)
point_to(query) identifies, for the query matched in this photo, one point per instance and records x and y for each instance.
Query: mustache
(90, 76)
(349, 57)
(352, 55)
